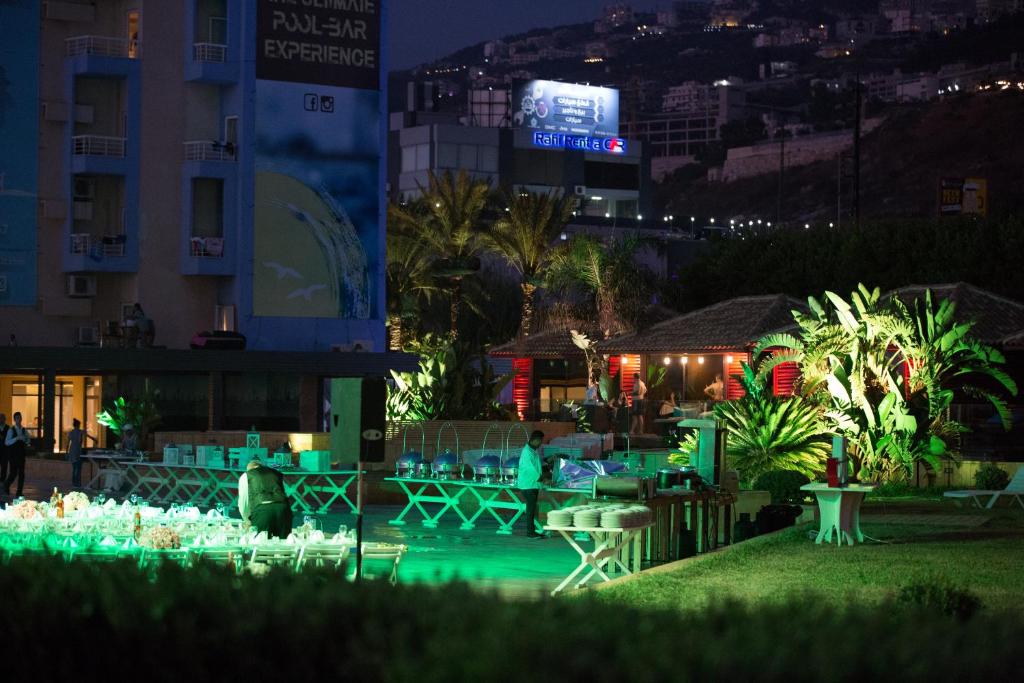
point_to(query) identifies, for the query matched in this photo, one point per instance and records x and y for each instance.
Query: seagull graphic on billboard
(307, 293)
(283, 271)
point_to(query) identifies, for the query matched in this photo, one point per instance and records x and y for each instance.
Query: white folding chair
(149, 557)
(274, 554)
(386, 554)
(332, 555)
(231, 555)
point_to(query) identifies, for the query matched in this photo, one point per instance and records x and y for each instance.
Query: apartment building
(152, 126)
(215, 162)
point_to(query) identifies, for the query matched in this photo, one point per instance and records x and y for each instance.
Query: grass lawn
(986, 559)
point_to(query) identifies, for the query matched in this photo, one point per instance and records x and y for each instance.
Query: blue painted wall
(19, 134)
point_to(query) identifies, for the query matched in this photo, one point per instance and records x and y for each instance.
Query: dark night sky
(422, 30)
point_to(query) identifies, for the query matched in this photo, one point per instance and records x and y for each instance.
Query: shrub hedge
(87, 621)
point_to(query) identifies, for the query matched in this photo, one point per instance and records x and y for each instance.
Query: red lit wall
(522, 385)
(628, 364)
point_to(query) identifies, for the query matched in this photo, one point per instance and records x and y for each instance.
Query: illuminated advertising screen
(317, 223)
(566, 108)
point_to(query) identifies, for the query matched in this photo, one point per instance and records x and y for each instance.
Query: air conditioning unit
(88, 336)
(3, 284)
(84, 189)
(579, 190)
(81, 285)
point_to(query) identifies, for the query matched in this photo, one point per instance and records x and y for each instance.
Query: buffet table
(107, 465)
(612, 546)
(311, 492)
(492, 499)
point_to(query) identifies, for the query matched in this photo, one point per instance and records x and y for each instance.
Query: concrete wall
(744, 162)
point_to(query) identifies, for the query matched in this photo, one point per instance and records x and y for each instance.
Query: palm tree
(607, 272)
(410, 281)
(447, 219)
(524, 237)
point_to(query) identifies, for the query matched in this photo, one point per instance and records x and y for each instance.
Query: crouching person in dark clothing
(262, 500)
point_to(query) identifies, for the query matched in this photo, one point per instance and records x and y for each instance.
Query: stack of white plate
(614, 518)
(587, 518)
(560, 518)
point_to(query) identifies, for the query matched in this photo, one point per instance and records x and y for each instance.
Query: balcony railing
(206, 247)
(209, 150)
(108, 245)
(97, 145)
(209, 52)
(102, 46)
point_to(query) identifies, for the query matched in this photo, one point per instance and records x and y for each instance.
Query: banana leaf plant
(141, 413)
(853, 357)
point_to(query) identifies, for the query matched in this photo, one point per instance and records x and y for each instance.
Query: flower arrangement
(26, 509)
(76, 500)
(161, 538)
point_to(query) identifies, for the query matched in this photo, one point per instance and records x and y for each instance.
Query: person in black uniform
(17, 441)
(4, 428)
(262, 500)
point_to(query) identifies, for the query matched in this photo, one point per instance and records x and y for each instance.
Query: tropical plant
(524, 237)
(608, 273)
(447, 220)
(410, 284)
(141, 413)
(852, 358)
(782, 485)
(451, 383)
(767, 433)
(991, 477)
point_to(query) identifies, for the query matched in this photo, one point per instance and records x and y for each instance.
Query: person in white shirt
(639, 404)
(528, 480)
(16, 441)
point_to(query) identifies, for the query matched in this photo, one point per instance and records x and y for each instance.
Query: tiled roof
(731, 325)
(998, 320)
(556, 343)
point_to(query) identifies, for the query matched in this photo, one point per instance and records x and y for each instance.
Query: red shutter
(733, 387)
(522, 385)
(628, 364)
(784, 376)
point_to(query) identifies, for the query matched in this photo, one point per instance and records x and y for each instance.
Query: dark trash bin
(775, 517)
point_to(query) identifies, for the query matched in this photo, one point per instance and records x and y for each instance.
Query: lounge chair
(1015, 489)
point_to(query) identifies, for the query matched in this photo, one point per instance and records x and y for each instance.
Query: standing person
(716, 390)
(528, 480)
(75, 443)
(262, 500)
(16, 441)
(639, 404)
(4, 428)
(144, 326)
(129, 439)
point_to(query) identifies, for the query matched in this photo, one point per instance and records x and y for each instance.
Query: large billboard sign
(317, 220)
(566, 108)
(327, 42)
(19, 124)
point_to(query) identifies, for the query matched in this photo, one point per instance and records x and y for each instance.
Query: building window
(447, 155)
(207, 207)
(489, 159)
(467, 157)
